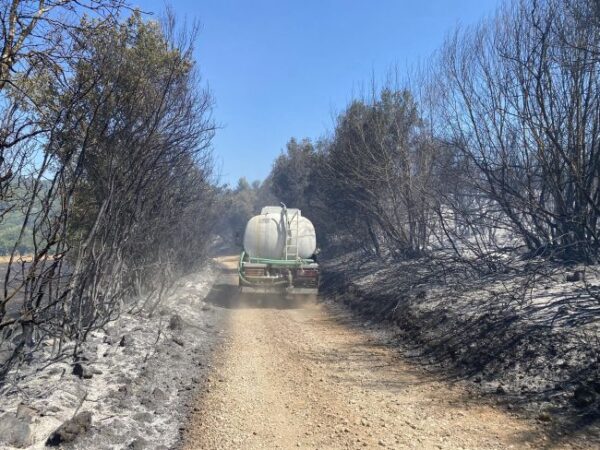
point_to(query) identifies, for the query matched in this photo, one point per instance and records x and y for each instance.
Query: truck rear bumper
(279, 290)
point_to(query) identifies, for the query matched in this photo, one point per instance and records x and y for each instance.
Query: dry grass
(26, 258)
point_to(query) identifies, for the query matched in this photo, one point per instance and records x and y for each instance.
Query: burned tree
(124, 175)
(522, 107)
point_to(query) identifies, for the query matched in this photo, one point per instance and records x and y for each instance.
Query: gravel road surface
(290, 376)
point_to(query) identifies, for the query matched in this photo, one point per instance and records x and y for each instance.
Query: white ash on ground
(134, 381)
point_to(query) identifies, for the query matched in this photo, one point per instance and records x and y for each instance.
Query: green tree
(238, 205)
(292, 175)
(380, 167)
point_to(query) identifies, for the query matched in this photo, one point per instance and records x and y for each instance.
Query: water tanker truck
(279, 254)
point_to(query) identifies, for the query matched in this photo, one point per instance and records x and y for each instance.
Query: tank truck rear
(279, 254)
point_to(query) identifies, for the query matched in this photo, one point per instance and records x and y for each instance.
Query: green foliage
(13, 218)
(298, 179)
(374, 172)
(292, 175)
(238, 205)
(9, 234)
(140, 130)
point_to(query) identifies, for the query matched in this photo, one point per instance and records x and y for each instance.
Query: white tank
(265, 235)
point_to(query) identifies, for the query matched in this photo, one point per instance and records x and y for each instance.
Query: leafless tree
(522, 108)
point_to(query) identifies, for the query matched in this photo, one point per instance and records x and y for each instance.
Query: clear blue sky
(281, 68)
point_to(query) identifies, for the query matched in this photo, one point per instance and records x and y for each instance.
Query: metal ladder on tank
(291, 247)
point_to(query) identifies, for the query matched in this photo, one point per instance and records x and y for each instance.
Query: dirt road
(300, 378)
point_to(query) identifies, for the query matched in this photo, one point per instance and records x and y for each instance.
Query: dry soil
(291, 376)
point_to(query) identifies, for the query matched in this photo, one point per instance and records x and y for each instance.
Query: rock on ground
(14, 431)
(71, 429)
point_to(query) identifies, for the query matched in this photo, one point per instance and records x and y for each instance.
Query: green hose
(282, 262)
(245, 280)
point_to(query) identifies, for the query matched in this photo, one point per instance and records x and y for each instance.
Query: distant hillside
(10, 228)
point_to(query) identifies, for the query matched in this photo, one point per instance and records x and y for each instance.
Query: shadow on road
(229, 296)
